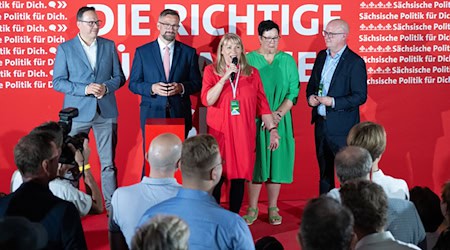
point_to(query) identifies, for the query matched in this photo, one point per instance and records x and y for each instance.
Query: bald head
(164, 152)
(340, 25)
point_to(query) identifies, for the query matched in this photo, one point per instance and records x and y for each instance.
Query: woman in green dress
(279, 75)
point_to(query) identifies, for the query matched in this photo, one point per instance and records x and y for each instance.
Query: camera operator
(65, 186)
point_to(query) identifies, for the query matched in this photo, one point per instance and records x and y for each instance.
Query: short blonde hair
(370, 136)
(220, 63)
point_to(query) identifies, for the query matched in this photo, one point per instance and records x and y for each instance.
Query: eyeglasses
(331, 34)
(271, 39)
(168, 25)
(92, 23)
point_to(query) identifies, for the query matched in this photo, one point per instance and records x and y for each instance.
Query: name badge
(235, 107)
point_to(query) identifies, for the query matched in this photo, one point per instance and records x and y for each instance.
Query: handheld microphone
(235, 62)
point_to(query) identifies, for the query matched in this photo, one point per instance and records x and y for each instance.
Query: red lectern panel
(157, 126)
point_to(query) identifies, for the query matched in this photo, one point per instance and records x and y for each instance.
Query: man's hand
(167, 89)
(81, 158)
(326, 100)
(96, 89)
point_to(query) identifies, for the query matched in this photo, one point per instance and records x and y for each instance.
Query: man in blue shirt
(211, 226)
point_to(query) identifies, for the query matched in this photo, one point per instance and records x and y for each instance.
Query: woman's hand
(276, 116)
(231, 68)
(274, 139)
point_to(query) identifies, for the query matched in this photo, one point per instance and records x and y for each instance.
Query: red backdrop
(405, 45)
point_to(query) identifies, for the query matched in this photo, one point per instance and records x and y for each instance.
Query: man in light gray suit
(87, 70)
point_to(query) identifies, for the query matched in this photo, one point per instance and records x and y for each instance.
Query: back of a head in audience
(21, 234)
(368, 203)
(445, 196)
(163, 155)
(443, 243)
(353, 162)
(428, 206)
(370, 136)
(36, 156)
(268, 243)
(162, 232)
(326, 225)
(200, 163)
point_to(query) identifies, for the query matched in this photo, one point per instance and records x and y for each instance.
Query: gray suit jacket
(72, 73)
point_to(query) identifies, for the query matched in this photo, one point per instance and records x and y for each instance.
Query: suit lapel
(156, 53)
(337, 72)
(175, 59)
(81, 52)
(99, 55)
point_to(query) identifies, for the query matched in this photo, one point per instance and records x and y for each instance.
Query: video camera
(65, 122)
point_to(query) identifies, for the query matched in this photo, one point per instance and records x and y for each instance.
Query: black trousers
(237, 187)
(326, 148)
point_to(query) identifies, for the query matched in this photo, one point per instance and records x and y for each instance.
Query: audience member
(368, 203)
(19, 233)
(372, 137)
(66, 185)
(211, 226)
(428, 206)
(326, 225)
(268, 243)
(403, 221)
(443, 242)
(162, 232)
(351, 162)
(130, 203)
(36, 156)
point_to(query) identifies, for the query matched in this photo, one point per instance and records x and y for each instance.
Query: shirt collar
(158, 181)
(337, 54)
(94, 43)
(374, 238)
(162, 45)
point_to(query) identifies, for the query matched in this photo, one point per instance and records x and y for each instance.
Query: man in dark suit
(36, 156)
(87, 70)
(336, 89)
(165, 73)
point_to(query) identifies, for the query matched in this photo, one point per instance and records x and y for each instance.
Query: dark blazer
(72, 72)
(348, 87)
(148, 69)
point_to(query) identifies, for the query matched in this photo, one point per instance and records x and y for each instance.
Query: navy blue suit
(348, 87)
(148, 69)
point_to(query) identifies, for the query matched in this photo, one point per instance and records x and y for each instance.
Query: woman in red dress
(234, 97)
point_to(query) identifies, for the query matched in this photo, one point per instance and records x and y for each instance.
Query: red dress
(235, 134)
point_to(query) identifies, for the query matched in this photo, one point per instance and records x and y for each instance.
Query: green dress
(280, 80)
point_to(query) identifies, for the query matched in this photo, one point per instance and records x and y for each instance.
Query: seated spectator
(128, 204)
(403, 221)
(268, 243)
(368, 203)
(211, 226)
(443, 242)
(19, 233)
(372, 137)
(162, 232)
(351, 163)
(36, 156)
(66, 185)
(428, 206)
(326, 225)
